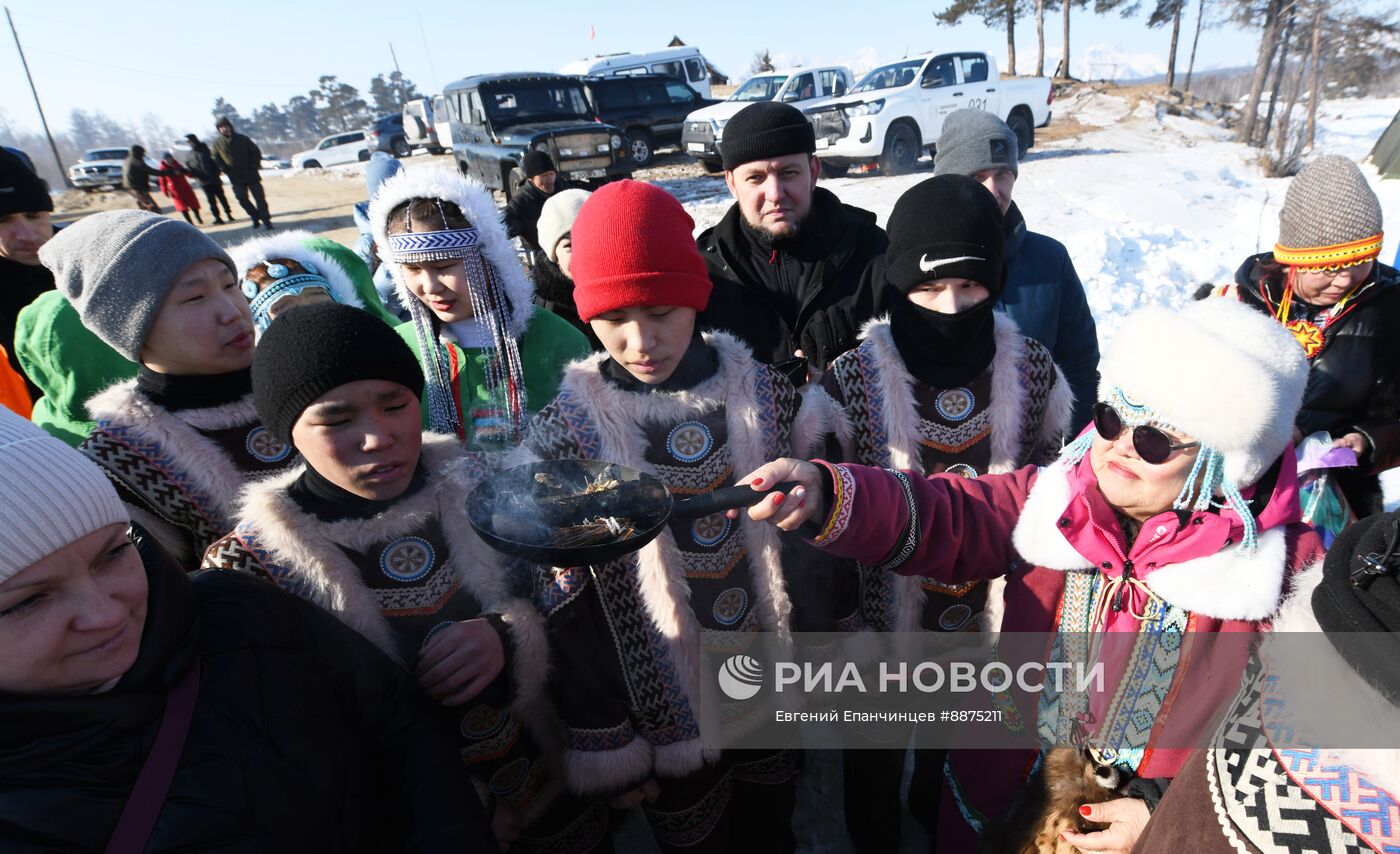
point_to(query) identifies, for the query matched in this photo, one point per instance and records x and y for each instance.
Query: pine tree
(996, 14)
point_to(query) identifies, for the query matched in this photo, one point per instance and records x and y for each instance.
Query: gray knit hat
(116, 268)
(1331, 217)
(50, 495)
(974, 140)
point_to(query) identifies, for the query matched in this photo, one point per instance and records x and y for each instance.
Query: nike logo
(927, 266)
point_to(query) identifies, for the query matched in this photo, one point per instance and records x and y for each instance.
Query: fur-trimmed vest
(1255, 790)
(179, 483)
(631, 676)
(308, 557)
(878, 422)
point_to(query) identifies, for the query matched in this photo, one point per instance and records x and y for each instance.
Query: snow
(1150, 206)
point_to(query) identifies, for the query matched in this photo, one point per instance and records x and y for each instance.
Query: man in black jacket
(786, 260)
(136, 178)
(25, 207)
(239, 157)
(523, 209)
(201, 165)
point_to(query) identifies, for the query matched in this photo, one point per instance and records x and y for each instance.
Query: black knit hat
(766, 130)
(314, 348)
(537, 163)
(1360, 592)
(946, 227)
(21, 191)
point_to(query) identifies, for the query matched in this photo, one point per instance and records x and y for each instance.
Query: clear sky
(173, 59)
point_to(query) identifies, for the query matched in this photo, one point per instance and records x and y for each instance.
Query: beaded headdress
(285, 283)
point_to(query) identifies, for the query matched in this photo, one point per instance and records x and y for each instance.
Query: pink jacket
(1034, 526)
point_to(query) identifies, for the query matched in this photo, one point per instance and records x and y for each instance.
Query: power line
(182, 77)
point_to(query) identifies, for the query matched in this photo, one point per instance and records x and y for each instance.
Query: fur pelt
(292, 244)
(210, 471)
(618, 416)
(479, 208)
(310, 549)
(1049, 804)
(1231, 584)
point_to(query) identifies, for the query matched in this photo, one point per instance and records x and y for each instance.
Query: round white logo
(740, 677)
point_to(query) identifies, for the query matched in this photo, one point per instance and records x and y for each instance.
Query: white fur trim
(618, 416)
(897, 389)
(598, 773)
(209, 468)
(311, 549)
(995, 610)
(479, 208)
(1037, 536)
(292, 244)
(1226, 374)
(817, 418)
(1230, 584)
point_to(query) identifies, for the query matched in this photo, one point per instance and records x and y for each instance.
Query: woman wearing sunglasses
(1171, 514)
(1323, 283)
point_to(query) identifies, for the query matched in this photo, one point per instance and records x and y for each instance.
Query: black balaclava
(946, 227)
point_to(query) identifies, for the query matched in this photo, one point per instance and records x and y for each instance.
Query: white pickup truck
(703, 131)
(897, 110)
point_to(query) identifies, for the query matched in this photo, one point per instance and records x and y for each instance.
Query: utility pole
(58, 161)
(399, 79)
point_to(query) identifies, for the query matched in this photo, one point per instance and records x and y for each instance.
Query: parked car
(496, 118)
(334, 149)
(683, 63)
(897, 110)
(387, 134)
(99, 168)
(801, 87)
(272, 161)
(418, 127)
(650, 109)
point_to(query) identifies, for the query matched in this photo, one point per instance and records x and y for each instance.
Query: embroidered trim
(911, 530)
(841, 504)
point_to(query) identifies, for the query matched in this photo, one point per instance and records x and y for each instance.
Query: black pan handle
(728, 498)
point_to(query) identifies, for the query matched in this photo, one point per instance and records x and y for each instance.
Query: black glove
(827, 335)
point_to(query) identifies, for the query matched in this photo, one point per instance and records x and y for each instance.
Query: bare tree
(1280, 69)
(1315, 83)
(1191, 65)
(1286, 119)
(1268, 46)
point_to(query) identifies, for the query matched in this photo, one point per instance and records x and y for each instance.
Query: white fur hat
(292, 244)
(50, 495)
(476, 204)
(1217, 370)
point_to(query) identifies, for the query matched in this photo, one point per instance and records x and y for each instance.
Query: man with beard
(786, 260)
(25, 207)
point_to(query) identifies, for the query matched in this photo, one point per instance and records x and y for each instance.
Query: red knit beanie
(633, 247)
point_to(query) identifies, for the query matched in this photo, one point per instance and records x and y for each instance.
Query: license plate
(823, 142)
(591, 173)
(695, 146)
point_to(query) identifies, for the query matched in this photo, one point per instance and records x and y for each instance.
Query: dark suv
(386, 134)
(650, 108)
(496, 118)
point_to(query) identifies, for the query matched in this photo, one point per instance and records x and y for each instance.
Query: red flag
(592, 34)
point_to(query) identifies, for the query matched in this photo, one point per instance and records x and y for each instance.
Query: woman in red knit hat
(644, 725)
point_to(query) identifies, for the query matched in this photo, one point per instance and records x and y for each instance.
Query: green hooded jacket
(67, 362)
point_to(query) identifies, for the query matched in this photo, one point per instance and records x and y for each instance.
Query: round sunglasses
(1151, 444)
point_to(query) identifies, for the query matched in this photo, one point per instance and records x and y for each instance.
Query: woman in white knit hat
(142, 710)
(554, 284)
(1323, 281)
(1173, 513)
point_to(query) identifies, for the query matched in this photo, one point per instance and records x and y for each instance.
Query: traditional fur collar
(210, 470)
(1227, 585)
(1006, 411)
(292, 244)
(618, 416)
(310, 549)
(479, 208)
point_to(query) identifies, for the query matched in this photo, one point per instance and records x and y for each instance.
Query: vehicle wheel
(713, 167)
(1025, 134)
(364, 155)
(401, 147)
(311, 164)
(640, 147)
(831, 170)
(901, 150)
(513, 181)
(435, 150)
